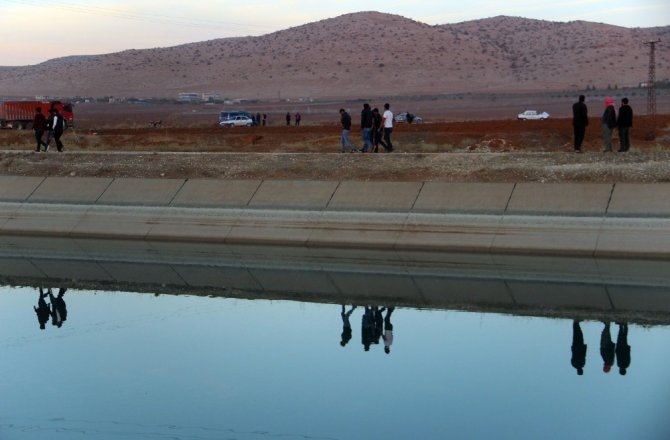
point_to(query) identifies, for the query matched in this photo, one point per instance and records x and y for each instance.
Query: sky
(33, 31)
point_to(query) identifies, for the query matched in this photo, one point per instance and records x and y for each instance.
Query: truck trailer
(19, 114)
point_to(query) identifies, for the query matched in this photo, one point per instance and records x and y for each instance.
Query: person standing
(298, 118)
(366, 127)
(345, 120)
(39, 125)
(622, 349)
(608, 121)
(258, 119)
(265, 119)
(578, 359)
(580, 119)
(288, 119)
(387, 120)
(624, 122)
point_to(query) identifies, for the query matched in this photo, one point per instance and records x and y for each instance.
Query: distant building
(190, 97)
(211, 97)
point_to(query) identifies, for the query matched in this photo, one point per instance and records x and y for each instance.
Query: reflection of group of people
(608, 349)
(56, 308)
(374, 327)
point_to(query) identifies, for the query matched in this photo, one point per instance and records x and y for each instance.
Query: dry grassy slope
(362, 54)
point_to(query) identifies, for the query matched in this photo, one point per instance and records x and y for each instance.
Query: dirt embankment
(539, 151)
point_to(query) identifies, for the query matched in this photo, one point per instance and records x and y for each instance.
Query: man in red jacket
(39, 125)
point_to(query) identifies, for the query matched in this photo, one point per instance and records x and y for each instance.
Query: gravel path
(643, 166)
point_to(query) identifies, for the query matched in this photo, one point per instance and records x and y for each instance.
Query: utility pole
(651, 86)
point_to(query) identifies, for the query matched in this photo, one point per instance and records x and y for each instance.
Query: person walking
(608, 121)
(298, 118)
(265, 119)
(388, 331)
(366, 127)
(580, 119)
(42, 310)
(39, 125)
(345, 120)
(59, 125)
(606, 348)
(624, 122)
(346, 325)
(288, 119)
(376, 129)
(50, 129)
(387, 119)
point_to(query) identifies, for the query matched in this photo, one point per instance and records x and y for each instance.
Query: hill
(364, 54)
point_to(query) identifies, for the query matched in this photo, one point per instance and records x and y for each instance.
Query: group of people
(376, 129)
(609, 120)
(56, 309)
(298, 117)
(608, 349)
(54, 125)
(375, 327)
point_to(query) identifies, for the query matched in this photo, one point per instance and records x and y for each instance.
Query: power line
(139, 16)
(651, 86)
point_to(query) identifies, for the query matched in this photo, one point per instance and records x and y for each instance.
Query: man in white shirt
(388, 128)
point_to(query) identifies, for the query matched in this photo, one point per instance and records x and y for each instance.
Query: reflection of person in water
(379, 324)
(578, 348)
(388, 331)
(42, 310)
(367, 328)
(607, 348)
(58, 309)
(622, 349)
(346, 325)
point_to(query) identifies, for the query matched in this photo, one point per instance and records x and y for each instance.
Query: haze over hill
(363, 55)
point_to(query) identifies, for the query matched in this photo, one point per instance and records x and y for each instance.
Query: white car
(533, 115)
(237, 121)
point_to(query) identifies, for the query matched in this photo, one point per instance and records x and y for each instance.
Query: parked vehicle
(408, 117)
(237, 121)
(229, 116)
(19, 114)
(532, 115)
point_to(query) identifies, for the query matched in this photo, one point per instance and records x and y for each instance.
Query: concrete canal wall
(570, 219)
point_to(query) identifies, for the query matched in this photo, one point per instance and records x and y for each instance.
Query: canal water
(122, 365)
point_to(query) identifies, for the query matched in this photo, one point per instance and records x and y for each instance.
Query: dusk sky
(34, 31)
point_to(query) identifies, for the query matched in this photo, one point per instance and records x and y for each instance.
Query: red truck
(20, 114)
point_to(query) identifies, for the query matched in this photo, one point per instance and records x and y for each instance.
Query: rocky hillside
(364, 54)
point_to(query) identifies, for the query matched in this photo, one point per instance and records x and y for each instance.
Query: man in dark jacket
(624, 122)
(608, 122)
(607, 348)
(580, 119)
(622, 349)
(345, 120)
(39, 125)
(366, 127)
(578, 359)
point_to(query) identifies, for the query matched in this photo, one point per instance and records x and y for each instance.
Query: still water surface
(138, 366)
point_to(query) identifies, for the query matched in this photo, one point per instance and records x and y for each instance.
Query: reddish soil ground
(484, 150)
